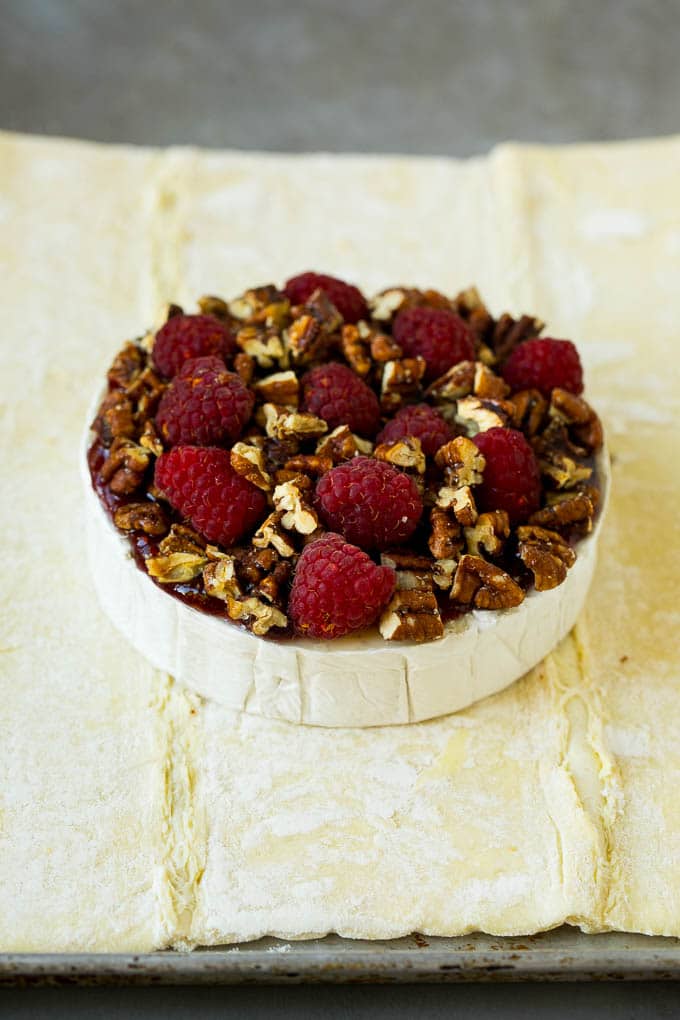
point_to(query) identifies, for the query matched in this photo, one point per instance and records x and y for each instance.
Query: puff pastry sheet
(133, 816)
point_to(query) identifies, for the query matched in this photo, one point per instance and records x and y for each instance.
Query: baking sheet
(561, 955)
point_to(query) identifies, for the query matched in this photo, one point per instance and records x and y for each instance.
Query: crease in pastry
(184, 825)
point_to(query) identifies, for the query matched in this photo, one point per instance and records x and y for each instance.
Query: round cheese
(353, 681)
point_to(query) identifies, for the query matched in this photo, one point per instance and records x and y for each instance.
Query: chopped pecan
(579, 416)
(280, 388)
(401, 379)
(457, 382)
(460, 502)
(124, 470)
(309, 464)
(443, 572)
(412, 614)
(144, 516)
(529, 410)
(323, 310)
(264, 573)
(384, 348)
(257, 302)
(216, 306)
(146, 390)
(508, 332)
(310, 334)
(272, 533)
(244, 366)
(127, 364)
(284, 424)
(248, 461)
(263, 345)
(461, 461)
(150, 439)
(398, 559)
(298, 515)
(355, 349)
(479, 415)
(220, 580)
(384, 306)
(558, 459)
(546, 554)
(182, 539)
(341, 444)
(570, 510)
(488, 385)
(115, 418)
(489, 533)
(483, 585)
(446, 539)
(258, 616)
(406, 453)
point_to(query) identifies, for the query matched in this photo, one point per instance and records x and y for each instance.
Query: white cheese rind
(355, 681)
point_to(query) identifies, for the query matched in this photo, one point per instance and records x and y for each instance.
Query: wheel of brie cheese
(343, 515)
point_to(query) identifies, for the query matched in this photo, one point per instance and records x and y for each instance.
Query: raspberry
(348, 300)
(190, 336)
(511, 479)
(337, 588)
(204, 405)
(543, 364)
(333, 392)
(201, 484)
(421, 421)
(371, 503)
(436, 334)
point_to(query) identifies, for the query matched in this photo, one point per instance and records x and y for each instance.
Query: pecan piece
(127, 364)
(461, 461)
(355, 349)
(115, 418)
(144, 516)
(248, 461)
(406, 453)
(244, 366)
(412, 614)
(150, 439)
(530, 407)
(220, 580)
(283, 424)
(263, 345)
(400, 379)
(309, 464)
(457, 382)
(572, 509)
(479, 415)
(216, 306)
(146, 390)
(272, 533)
(487, 385)
(384, 306)
(546, 554)
(558, 459)
(279, 388)
(489, 533)
(257, 615)
(483, 585)
(446, 539)
(124, 470)
(460, 502)
(579, 416)
(341, 444)
(298, 515)
(384, 348)
(443, 572)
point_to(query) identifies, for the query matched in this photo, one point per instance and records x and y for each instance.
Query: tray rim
(563, 954)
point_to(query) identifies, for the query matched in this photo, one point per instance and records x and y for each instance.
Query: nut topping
(412, 615)
(480, 584)
(219, 579)
(341, 444)
(489, 533)
(400, 379)
(145, 516)
(279, 388)
(406, 453)
(461, 461)
(456, 383)
(568, 510)
(460, 502)
(125, 468)
(355, 350)
(446, 540)
(272, 533)
(546, 554)
(282, 424)
(265, 616)
(297, 514)
(579, 416)
(248, 461)
(479, 415)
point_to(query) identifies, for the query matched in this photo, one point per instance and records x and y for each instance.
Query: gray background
(377, 76)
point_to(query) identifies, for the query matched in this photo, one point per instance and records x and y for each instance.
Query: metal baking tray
(561, 955)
